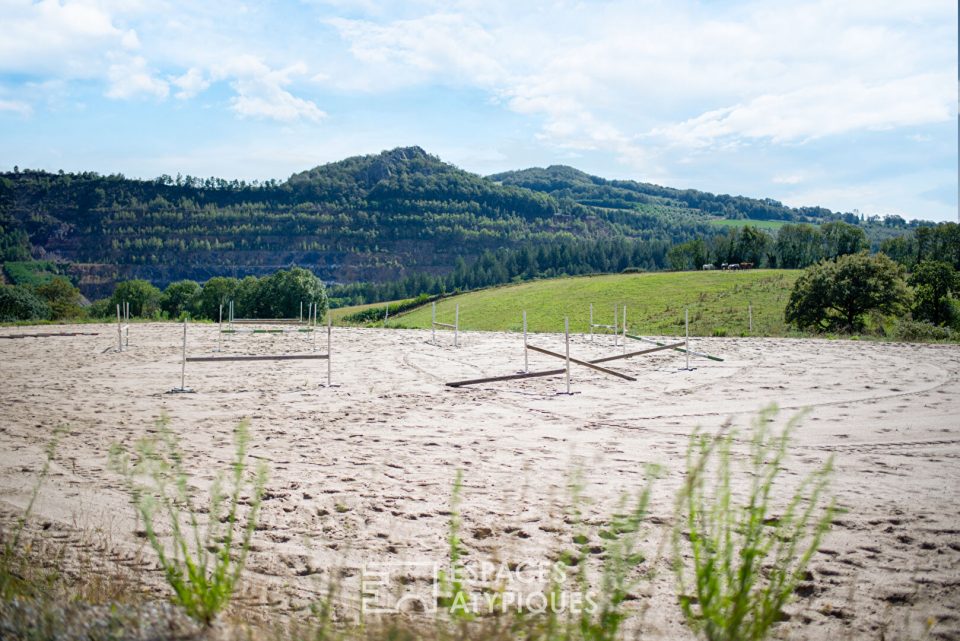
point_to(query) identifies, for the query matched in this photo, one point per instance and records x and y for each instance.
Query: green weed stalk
(12, 579)
(202, 562)
(742, 560)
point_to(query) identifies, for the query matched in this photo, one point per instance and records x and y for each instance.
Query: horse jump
(258, 357)
(455, 326)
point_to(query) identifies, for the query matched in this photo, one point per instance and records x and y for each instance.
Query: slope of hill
(374, 218)
(561, 181)
(719, 303)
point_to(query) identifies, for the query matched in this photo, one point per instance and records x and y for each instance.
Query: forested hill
(562, 182)
(368, 218)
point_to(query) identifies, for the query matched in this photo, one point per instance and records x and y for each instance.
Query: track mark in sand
(859, 447)
(436, 377)
(866, 399)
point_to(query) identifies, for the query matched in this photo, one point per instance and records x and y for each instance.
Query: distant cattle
(709, 266)
(731, 266)
(746, 265)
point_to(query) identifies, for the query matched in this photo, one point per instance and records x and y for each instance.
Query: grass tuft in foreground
(738, 557)
(201, 561)
(15, 578)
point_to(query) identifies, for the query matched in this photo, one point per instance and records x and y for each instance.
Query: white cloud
(825, 110)
(260, 91)
(788, 179)
(50, 37)
(16, 106)
(606, 76)
(191, 83)
(130, 78)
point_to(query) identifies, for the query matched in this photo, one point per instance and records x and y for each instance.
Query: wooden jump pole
(678, 348)
(526, 367)
(259, 357)
(584, 363)
(557, 372)
(507, 377)
(618, 357)
(566, 335)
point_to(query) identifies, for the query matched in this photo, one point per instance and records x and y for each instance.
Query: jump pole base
(181, 390)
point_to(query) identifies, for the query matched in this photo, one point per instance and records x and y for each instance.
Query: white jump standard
(123, 328)
(455, 326)
(680, 347)
(612, 328)
(256, 357)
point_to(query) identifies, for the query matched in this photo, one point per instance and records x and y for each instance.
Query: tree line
(283, 294)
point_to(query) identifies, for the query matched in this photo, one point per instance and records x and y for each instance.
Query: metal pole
(433, 323)
(591, 322)
(220, 328)
(119, 331)
(127, 329)
(301, 311)
(616, 334)
(566, 333)
(313, 324)
(624, 327)
(456, 326)
(386, 315)
(525, 359)
(329, 330)
(183, 362)
(686, 322)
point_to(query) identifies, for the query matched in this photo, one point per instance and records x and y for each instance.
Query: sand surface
(361, 473)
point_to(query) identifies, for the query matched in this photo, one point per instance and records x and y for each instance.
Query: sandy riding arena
(361, 472)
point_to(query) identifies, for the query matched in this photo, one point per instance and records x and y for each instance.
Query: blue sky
(847, 104)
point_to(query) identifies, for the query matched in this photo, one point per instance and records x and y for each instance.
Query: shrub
(933, 283)
(62, 297)
(741, 561)
(100, 309)
(834, 295)
(377, 313)
(19, 303)
(180, 298)
(202, 563)
(914, 330)
(143, 297)
(217, 291)
(280, 294)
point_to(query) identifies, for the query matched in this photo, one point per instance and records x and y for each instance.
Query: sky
(846, 104)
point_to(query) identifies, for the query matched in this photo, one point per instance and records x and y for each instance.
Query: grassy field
(743, 222)
(339, 313)
(718, 303)
(32, 273)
